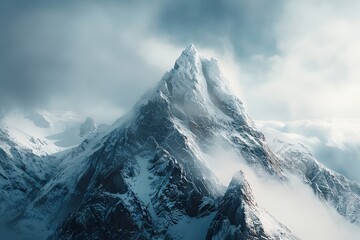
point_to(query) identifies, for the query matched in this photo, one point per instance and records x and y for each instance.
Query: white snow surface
(44, 133)
(188, 87)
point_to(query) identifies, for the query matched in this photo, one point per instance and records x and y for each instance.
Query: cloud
(247, 25)
(297, 58)
(76, 55)
(315, 73)
(293, 204)
(285, 59)
(79, 55)
(334, 142)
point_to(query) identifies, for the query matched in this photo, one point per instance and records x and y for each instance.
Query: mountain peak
(190, 49)
(189, 58)
(238, 178)
(240, 217)
(196, 86)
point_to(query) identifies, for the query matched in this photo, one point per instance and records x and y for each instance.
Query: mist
(333, 142)
(286, 60)
(76, 56)
(292, 203)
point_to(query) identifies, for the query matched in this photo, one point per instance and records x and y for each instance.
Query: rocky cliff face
(153, 159)
(329, 186)
(151, 163)
(22, 174)
(146, 177)
(239, 217)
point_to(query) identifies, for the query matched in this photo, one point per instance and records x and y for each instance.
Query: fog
(297, 58)
(334, 142)
(293, 204)
(286, 60)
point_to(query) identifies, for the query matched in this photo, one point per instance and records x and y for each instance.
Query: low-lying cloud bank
(335, 142)
(293, 203)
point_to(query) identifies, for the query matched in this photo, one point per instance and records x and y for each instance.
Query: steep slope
(331, 187)
(203, 103)
(239, 217)
(335, 189)
(147, 177)
(26, 157)
(22, 174)
(149, 167)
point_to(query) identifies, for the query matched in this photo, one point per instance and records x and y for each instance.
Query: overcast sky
(287, 59)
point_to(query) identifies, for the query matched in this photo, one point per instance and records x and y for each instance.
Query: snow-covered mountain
(27, 155)
(239, 216)
(22, 174)
(334, 142)
(46, 133)
(329, 186)
(147, 176)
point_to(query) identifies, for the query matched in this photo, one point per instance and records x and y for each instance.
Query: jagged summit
(240, 217)
(190, 50)
(149, 175)
(151, 167)
(196, 95)
(238, 178)
(197, 87)
(189, 56)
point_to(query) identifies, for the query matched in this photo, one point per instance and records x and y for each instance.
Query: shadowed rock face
(162, 140)
(338, 191)
(173, 178)
(22, 174)
(147, 177)
(240, 218)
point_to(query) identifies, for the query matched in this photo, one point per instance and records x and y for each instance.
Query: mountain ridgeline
(147, 177)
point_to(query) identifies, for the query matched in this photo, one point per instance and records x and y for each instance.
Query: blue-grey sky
(286, 59)
(92, 50)
(289, 59)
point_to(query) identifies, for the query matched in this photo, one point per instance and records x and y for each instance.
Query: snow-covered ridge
(197, 87)
(147, 177)
(240, 217)
(46, 133)
(328, 185)
(162, 140)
